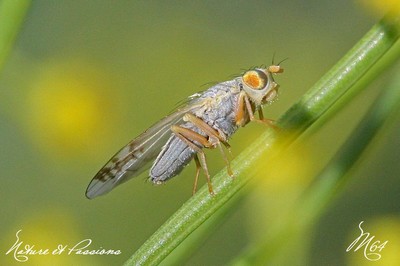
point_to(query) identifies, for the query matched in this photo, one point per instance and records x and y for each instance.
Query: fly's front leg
(189, 136)
(266, 121)
(215, 137)
(241, 117)
(261, 119)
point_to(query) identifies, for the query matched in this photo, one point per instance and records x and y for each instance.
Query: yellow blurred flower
(283, 175)
(70, 109)
(45, 230)
(380, 7)
(282, 169)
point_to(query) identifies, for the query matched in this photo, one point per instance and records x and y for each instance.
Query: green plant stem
(342, 76)
(329, 182)
(298, 118)
(12, 14)
(184, 251)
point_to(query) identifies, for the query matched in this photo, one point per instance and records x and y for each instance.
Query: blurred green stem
(328, 183)
(12, 14)
(298, 118)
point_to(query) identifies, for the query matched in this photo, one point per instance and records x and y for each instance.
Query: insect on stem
(208, 120)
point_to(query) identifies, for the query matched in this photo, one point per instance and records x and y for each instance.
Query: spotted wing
(132, 159)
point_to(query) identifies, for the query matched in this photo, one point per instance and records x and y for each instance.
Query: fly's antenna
(273, 60)
(282, 61)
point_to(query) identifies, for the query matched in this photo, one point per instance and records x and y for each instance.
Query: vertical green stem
(12, 14)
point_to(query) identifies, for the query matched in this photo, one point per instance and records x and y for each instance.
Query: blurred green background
(85, 77)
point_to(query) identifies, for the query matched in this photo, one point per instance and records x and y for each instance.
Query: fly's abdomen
(174, 156)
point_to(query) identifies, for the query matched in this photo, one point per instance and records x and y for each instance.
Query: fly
(207, 121)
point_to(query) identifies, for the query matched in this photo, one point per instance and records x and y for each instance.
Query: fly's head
(259, 84)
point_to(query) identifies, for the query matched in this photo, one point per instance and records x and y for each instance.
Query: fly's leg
(244, 111)
(249, 110)
(215, 136)
(244, 100)
(207, 129)
(198, 167)
(241, 117)
(268, 122)
(189, 136)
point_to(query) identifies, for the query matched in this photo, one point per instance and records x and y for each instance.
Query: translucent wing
(132, 159)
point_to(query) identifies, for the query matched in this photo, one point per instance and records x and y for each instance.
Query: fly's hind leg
(189, 136)
(198, 167)
(215, 138)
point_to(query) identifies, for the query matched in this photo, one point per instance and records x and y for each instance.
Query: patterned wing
(132, 159)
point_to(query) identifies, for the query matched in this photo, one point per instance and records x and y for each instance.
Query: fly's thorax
(259, 84)
(216, 106)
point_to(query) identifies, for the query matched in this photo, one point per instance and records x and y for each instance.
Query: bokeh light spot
(70, 109)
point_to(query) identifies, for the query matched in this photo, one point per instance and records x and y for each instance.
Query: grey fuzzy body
(215, 106)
